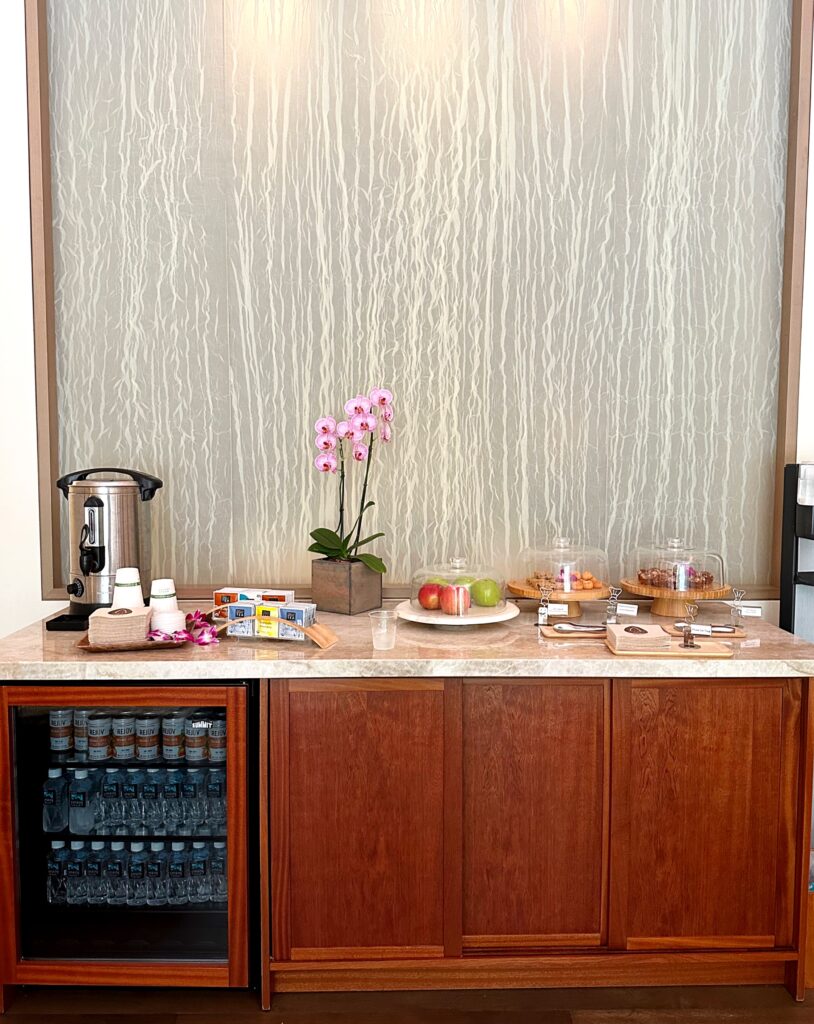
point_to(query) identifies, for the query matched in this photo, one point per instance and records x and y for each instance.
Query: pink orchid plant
(367, 419)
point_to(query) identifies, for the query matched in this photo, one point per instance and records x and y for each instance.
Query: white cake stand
(476, 616)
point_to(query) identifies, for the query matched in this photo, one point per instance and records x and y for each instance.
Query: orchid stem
(364, 495)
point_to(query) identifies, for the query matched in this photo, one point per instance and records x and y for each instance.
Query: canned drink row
(140, 734)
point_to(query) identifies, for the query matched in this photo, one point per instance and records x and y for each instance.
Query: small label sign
(750, 611)
(627, 609)
(700, 630)
(553, 609)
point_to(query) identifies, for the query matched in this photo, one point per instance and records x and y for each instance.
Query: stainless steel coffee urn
(108, 528)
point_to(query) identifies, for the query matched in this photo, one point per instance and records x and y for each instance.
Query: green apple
(441, 581)
(485, 593)
(464, 581)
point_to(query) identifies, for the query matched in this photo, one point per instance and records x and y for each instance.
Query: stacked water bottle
(134, 801)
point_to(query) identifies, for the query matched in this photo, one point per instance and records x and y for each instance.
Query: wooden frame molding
(42, 251)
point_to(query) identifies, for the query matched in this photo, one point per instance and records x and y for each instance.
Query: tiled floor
(750, 1005)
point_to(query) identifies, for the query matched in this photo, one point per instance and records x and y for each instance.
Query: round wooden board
(672, 603)
(520, 588)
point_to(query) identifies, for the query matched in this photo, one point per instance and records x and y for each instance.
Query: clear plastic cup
(383, 626)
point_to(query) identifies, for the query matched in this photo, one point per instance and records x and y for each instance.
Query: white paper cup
(162, 596)
(127, 589)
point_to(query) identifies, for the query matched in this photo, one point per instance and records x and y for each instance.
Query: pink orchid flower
(387, 413)
(360, 451)
(343, 429)
(358, 406)
(386, 432)
(326, 442)
(363, 422)
(326, 463)
(325, 425)
(381, 396)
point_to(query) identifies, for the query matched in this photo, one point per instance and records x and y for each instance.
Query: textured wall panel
(554, 228)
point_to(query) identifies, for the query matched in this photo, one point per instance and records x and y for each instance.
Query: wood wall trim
(794, 240)
(237, 828)
(279, 820)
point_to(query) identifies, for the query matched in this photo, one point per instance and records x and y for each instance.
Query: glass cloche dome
(675, 566)
(457, 587)
(569, 570)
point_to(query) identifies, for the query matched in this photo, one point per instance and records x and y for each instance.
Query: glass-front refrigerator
(128, 829)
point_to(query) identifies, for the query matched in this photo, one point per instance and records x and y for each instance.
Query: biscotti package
(237, 595)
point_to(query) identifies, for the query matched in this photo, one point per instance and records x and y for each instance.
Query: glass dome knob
(675, 542)
(562, 542)
(458, 562)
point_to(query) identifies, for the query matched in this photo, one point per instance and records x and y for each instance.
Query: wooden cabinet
(704, 807)
(357, 819)
(535, 813)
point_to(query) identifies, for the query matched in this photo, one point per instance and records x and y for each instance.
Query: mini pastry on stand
(573, 573)
(674, 574)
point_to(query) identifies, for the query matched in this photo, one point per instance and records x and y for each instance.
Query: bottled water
(137, 875)
(57, 861)
(81, 810)
(217, 873)
(153, 801)
(172, 800)
(55, 802)
(200, 886)
(76, 881)
(193, 804)
(110, 801)
(216, 800)
(157, 876)
(178, 892)
(132, 799)
(116, 874)
(95, 873)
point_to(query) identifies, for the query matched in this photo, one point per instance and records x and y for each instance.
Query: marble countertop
(505, 649)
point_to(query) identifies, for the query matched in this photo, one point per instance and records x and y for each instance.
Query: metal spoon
(574, 627)
(715, 629)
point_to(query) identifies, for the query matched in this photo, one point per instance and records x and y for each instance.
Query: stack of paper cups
(127, 589)
(168, 621)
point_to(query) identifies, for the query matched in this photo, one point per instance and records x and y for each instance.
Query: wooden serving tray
(132, 645)
(673, 602)
(737, 634)
(709, 650)
(552, 634)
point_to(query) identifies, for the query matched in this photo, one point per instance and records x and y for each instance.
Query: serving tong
(576, 627)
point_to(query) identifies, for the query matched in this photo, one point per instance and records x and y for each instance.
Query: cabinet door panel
(535, 814)
(703, 807)
(366, 823)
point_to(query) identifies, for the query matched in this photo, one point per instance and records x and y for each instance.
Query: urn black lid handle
(147, 484)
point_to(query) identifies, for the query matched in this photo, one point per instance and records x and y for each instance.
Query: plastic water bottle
(200, 885)
(172, 800)
(157, 876)
(132, 799)
(111, 803)
(116, 874)
(76, 881)
(193, 804)
(178, 892)
(55, 801)
(57, 861)
(81, 810)
(95, 873)
(137, 875)
(153, 801)
(216, 800)
(218, 874)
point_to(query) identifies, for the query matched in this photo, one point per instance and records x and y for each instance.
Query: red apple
(429, 596)
(455, 600)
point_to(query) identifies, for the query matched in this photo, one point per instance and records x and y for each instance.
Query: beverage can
(148, 727)
(196, 736)
(217, 738)
(123, 728)
(60, 725)
(80, 729)
(172, 736)
(98, 729)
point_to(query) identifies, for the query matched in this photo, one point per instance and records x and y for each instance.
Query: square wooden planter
(345, 587)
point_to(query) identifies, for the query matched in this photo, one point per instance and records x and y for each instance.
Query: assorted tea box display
(272, 620)
(227, 596)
